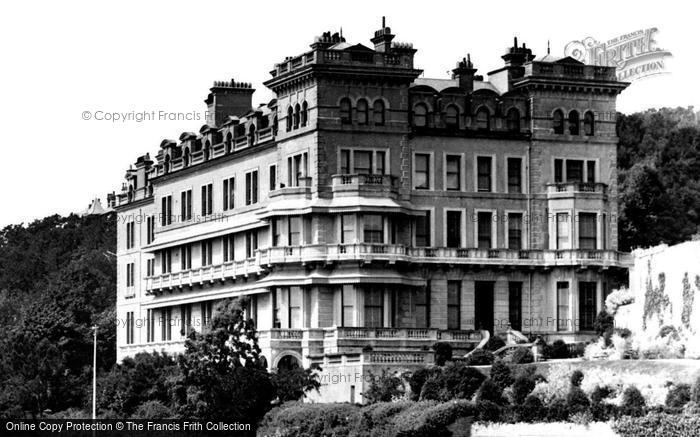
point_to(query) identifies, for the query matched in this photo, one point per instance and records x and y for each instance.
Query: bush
(501, 375)
(304, 420)
(522, 355)
(384, 388)
(633, 403)
(480, 357)
(577, 401)
(292, 384)
(558, 350)
(600, 393)
(494, 343)
(443, 353)
(531, 410)
(488, 411)
(417, 379)
(425, 418)
(153, 410)
(491, 392)
(576, 378)
(678, 396)
(522, 387)
(695, 391)
(662, 424)
(456, 381)
(604, 325)
(376, 419)
(557, 411)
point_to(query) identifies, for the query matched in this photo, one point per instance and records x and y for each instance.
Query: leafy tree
(293, 384)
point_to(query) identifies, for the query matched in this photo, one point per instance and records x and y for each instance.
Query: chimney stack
(464, 72)
(382, 38)
(228, 98)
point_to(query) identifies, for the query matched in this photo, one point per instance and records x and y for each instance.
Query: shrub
(292, 384)
(531, 410)
(600, 393)
(494, 343)
(376, 419)
(617, 298)
(604, 325)
(304, 420)
(662, 424)
(501, 375)
(522, 355)
(457, 381)
(443, 353)
(668, 331)
(384, 388)
(558, 350)
(576, 378)
(490, 391)
(488, 411)
(577, 401)
(153, 410)
(557, 411)
(417, 379)
(678, 396)
(480, 357)
(522, 387)
(633, 403)
(425, 418)
(695, 391)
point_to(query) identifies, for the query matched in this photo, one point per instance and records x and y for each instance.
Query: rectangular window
(206, 250)
(228, 243)
(374, 307)
(586, 305)
(483, 169)
(276, 230)
(484, 220)
(207, 199)
(345, 162)
(130, 235)
(423, 228)
(558, 171)
(295, 297)
(587, 231)
(150, 327)
(166, 327)
(130, 327)
(166, 210)
(454, 228)
(373, 228)
(562, 230)
(294, 230)
(130, 275)
(347, 225)
(515, 231)
(186, 205)
(251, 243)
(185, 257)
(296, 169)
(185, 320)
(363, 162)
(381, 163)
(590, 171)
(206, 310)
(421, 173)
(165, 261)
(273, 177)
(229, 189)
(454, 292)
(251, 187)
(423, 306)
(563, 315)
(515, 305)
(150, 267)
(515, 184)
(604, 232)
(150, 229)
(574, 170)
(453, 176)
(348, 307)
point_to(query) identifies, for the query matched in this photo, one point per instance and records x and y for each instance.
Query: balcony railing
(200, 275)
(432, 334)
(577, 187)
(364, 183)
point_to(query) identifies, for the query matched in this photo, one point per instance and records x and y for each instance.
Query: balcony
(301, 191)
(571, 189)
(364, 185)
(201, 275)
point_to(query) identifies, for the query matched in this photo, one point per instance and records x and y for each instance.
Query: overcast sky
(60, 59)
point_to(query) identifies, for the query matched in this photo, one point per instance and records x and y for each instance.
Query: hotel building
(369, 212)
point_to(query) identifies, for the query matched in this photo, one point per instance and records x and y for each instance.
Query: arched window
(558, 122)
(452, 117)
(420, 115)
(513, 120)
(186, 158)
(573, 123)
(297, 116)
(589, 123)
(362, 112)
(379, 112)
(229, 142)
(207, 148)
(304, 113)
(345, 111)
(483, 118)
(275, 126)
(290, 116)
(251, 135)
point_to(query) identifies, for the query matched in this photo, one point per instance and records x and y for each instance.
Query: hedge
(657, 425)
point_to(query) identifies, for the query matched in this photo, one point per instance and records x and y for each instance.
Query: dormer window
(573, 123)
(513, 120)
(362, 112)
(378, 113)
(483, 119)
(558, 122)
(420, 115)
(452, 117)
(345, 111)
(589, 123)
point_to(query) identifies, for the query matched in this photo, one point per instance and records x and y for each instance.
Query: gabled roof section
(569, 60)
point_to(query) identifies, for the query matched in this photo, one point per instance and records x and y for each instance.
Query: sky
(63, 60)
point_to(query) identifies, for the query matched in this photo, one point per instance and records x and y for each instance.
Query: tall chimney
(465, 74)
(226, 99)
(382, 38)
